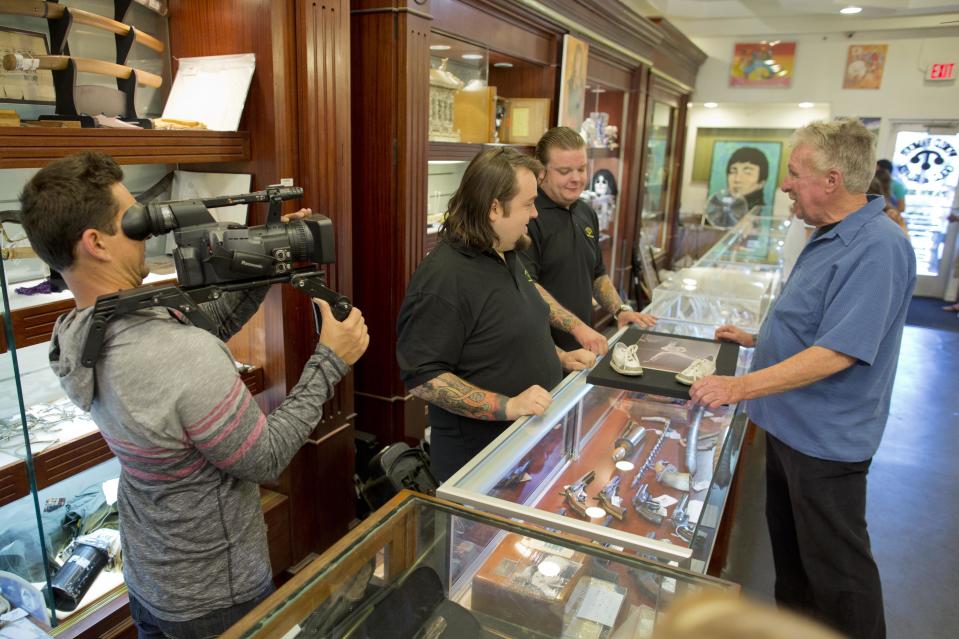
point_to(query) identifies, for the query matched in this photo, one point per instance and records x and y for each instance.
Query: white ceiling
(893, 18)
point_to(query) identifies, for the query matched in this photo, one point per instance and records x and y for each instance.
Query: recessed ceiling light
(710, 105)
(806, 105)
(850, 10)
(472, 56)
(503, 65)
(598, 90)
(439, 47)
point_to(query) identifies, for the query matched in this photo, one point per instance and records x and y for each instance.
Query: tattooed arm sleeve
(462, 398)
(559, 317)
(605, 293)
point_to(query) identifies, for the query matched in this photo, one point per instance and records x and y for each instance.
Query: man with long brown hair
(473, 332)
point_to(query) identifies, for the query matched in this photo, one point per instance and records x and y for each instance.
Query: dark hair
(884, 164)
(66, 198)
(561, 137)
(750, 155)
(491, 175)
(610, 180)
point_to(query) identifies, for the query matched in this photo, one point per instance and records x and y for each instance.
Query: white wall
(818, 76)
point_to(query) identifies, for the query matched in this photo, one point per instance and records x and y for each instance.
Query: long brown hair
(490, 176)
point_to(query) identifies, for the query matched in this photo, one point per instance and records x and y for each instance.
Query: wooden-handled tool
(54, 11)
(18, 62)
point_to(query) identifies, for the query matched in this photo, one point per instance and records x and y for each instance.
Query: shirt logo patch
(589, 232)
(528, 276)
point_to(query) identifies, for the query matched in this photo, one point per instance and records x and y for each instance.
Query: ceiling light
(850, 10)
(472, 56)
(503, 65)
(439, 47)
(598, 90)
(806, 105)
(710, 105)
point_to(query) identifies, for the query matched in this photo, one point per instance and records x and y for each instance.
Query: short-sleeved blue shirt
(849, 292)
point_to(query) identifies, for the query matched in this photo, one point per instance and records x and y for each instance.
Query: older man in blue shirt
(822, 377)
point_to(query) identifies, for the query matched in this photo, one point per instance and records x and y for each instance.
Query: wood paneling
(501, 26)
(64, 460)
(34, 324)
(390, 97)
(13, 483)
(34, 147)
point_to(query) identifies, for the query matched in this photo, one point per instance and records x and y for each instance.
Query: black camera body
(213, 257)
(210, 252)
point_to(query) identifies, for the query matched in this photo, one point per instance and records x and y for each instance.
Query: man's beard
(523, 243)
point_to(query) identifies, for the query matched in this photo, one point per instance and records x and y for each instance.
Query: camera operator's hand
(349, 338)
(289, 217)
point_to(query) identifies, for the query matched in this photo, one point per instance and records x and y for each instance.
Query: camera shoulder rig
(115, 305)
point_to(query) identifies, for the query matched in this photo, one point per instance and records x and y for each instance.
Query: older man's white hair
(844, 145)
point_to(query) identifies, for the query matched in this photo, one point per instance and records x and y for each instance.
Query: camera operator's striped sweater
(192, 445)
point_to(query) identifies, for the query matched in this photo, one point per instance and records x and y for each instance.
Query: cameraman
(191, 441)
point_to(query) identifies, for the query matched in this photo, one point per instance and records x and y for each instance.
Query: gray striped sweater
(192, 445)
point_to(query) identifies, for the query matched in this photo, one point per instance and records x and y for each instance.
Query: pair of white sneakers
(625, 361)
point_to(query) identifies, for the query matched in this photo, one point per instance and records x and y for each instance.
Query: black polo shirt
(470, 314)
(565, 258)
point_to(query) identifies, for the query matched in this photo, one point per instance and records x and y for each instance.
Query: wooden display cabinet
(295, 125)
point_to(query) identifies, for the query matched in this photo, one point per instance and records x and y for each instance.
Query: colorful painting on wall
(572, 88)
(747, 169)
(864, 64)
(762, 64)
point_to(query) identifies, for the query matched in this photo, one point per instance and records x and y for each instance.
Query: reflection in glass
(656, 191)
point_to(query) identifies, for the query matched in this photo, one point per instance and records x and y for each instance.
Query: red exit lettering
(944, 71)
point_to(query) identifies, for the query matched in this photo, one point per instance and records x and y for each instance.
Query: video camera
(214, 257)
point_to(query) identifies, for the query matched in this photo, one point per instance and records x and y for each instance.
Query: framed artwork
(762, 64)
(527, 120)
(25, 87)
(662, 356)
(572, 85)
(864, 64)
(747, 169)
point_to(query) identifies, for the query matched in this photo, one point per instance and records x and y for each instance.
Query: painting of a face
(744, 178)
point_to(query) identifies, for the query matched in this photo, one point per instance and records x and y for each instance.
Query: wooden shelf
(28, 147)
(458, 151)
(597, 153)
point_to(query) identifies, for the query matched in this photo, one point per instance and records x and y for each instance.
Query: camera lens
(301, 241)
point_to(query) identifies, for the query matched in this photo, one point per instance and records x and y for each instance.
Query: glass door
(926, 162)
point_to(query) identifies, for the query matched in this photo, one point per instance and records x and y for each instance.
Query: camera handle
(311, 284)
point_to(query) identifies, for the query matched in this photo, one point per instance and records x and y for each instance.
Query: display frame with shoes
(656, 377)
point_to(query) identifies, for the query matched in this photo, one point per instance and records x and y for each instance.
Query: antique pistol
(576, 493)
(610, 500)
(629, 441)
(645, 505)
(515, 476)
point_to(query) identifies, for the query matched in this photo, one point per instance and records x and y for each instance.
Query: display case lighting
(439, 47)
(850, 10)
(472, 56)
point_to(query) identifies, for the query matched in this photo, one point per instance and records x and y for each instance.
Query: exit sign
(941, 71)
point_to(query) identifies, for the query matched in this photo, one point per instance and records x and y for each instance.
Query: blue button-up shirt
(849, 292)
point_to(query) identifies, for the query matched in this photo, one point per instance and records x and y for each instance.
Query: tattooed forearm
(606, 294)
(462, 398)
(559, 317)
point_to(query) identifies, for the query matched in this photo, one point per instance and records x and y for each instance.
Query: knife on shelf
(20, 62)
(55, 11)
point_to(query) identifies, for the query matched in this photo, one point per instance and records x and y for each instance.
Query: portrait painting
(746, 169)
(762, 64)
(864, 65)
(572, 89)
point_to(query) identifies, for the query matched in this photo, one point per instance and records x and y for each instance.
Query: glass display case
(659, 143)
(615, 466)
(716, 296)
(426, 568)
(754, 244)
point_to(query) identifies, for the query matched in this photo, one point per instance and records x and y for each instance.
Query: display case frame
(390, 539)
(473, 484)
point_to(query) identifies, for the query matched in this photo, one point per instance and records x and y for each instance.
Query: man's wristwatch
(623, 308)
